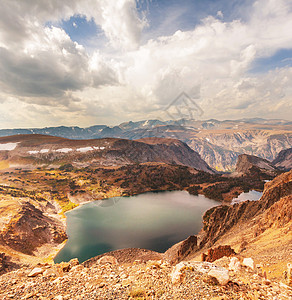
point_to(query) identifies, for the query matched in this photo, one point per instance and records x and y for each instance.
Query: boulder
(248, 262)
(181, 250)
(73, 262)
(35, 272)
(177, 274)
(49, 272)
(234, 264)
(221, 275)
(107, 259)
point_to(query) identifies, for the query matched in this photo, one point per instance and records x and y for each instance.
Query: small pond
(251, 195)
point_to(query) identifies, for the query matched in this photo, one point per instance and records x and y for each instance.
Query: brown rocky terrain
(246, 212)
(40, 150)
(108, 278)
(32, 203)
(30, 229)
(261, 229)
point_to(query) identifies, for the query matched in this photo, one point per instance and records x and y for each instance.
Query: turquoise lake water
(153, 221)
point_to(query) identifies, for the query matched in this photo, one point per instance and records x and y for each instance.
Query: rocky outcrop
(127, 256)
(29, 228)
(181, 250)
(250, 165)
(283, 161)
(218, 252)
(219, 220)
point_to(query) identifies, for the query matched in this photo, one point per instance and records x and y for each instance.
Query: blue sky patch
(281, 59)
(82, 30)
(79, 28)
(167, 16)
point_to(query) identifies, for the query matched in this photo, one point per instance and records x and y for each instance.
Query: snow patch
(64, 150)
(8, 146)
(98, 148)
(44, 151)
(33, 152)
(85, 149)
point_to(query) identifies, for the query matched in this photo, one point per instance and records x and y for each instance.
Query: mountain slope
(41, 149)
(260, 229)
(249, 164)
(284, 160)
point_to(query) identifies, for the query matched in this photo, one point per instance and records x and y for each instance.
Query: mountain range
(219, 143)
(42, 150)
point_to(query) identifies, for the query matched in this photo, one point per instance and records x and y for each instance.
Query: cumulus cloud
(119, 19)
(44, 72)
(217, 56)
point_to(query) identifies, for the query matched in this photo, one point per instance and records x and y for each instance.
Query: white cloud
(220, 14)
(47, 79)
(118, 18)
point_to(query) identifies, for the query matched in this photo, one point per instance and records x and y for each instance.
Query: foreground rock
(154, 279)
(248, 262)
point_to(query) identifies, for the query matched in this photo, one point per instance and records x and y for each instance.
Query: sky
(87, 62)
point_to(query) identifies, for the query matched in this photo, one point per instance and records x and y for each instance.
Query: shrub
(66, 168)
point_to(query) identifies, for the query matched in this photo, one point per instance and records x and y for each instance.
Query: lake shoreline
(141, 194)
(146, 194)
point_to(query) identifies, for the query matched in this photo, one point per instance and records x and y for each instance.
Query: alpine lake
(155, 221)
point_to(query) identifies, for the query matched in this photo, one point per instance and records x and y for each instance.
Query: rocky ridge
(283, 161)
(250, 164)
(39, 150)
(218, 142)
(221, 219)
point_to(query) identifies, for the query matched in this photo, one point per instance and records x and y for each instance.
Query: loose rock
(234, 264)
(35, 272)
(248, 262)
(107, 260)
(222, 275)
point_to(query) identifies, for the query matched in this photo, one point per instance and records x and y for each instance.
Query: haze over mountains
(218, 142)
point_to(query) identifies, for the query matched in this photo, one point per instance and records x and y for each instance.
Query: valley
(43, 177)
